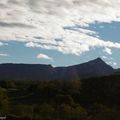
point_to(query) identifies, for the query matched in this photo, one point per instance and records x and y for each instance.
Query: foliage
(87, 99)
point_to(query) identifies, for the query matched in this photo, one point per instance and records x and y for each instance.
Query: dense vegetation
(88, 99)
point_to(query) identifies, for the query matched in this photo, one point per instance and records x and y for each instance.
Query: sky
(59, 32)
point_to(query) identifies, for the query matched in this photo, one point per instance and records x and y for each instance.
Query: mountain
(92, 68)
(117, 71)
(26, 72)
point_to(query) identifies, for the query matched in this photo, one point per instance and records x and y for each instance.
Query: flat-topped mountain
(92, 68)
(26, 72)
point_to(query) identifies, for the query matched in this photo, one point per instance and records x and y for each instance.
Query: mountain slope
(92, 68)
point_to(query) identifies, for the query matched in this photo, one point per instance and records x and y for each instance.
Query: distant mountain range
(92, 68)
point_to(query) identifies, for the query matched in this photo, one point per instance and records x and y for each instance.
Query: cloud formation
(2, 44)
(3, 55)
(11, 25)
(110, 60)
(107, 50)
(42, 23)
(43, 56)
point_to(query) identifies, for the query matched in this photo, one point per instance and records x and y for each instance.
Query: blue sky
(59, 33)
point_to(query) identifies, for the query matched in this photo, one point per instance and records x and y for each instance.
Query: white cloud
(1, 44)
(43, 56)
(3, 55)
(104, 57)
(112, 63)
(22, 20)
(109, 60)
(108, 50)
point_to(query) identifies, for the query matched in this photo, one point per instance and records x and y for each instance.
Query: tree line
(88, 99)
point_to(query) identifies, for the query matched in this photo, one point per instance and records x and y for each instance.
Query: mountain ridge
(22, 71)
